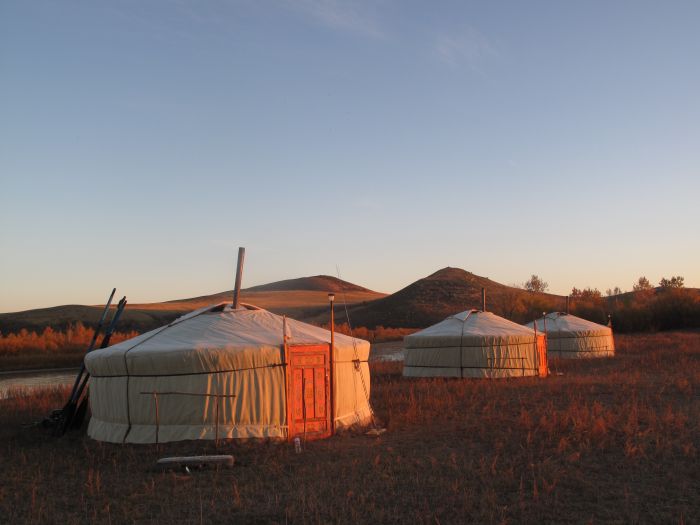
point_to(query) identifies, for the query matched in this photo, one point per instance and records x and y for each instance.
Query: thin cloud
(348, 16)
(467, 48)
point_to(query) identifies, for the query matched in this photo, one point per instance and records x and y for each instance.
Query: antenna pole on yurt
(239, 276)
(483, 299)
(331, 299)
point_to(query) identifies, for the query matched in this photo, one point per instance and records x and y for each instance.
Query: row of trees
(668, 306)
(537, 284)
(373, 335)
(643, 283)
(75, 337)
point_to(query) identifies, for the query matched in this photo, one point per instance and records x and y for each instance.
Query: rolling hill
(420, 304)
(444, 293)
(318, 283)
(300, 298)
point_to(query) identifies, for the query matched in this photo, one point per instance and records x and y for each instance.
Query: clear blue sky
(142, 142)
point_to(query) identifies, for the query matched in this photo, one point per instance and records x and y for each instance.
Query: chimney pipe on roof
(483, 299)
(567, 304)
(239, 276)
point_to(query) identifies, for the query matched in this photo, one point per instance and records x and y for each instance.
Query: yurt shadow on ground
(220, 372)
(475, 344)
(569, 336)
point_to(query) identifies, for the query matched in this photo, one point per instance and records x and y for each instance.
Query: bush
(379, 334)
(50, 341)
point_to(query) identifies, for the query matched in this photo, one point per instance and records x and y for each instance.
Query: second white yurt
(475, 344)
(569, 336)
(221, 372)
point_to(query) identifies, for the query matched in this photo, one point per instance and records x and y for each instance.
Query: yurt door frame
(309, 392)
(541, 348)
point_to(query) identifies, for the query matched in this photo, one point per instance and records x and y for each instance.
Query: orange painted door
(308, 392)
(543, 370)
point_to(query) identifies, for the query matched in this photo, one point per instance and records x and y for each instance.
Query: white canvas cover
(569, 336)
(221, 351)
(472, 344)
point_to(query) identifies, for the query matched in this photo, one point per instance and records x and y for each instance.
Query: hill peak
(320, 283)
(459, 275)
(449, 273)
(435, 297)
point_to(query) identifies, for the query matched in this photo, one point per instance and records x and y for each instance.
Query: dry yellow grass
(611, 440)
(272, 300)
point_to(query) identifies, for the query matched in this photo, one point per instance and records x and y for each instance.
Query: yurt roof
(560, 323)
(470, 328)
(216, 338)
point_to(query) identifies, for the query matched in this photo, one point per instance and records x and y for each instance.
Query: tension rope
(358, 366)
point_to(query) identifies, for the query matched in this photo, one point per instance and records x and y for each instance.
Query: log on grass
(196, 461)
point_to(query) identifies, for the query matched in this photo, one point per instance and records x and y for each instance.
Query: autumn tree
(589, 304)
(611, 292)
(642, 284)
(535, 284)
(510, 302)
(586, 293)
(674, 282)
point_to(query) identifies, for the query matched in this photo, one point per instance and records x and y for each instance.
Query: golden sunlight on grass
(609, 440)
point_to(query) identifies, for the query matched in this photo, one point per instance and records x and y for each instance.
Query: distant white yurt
(475, 344)
(569, 336)
(220, 372)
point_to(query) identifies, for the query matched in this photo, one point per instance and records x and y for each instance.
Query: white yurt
(475, 344)
(569, 336)
(220, 372)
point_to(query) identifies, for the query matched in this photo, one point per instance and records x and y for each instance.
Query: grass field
(613, 440)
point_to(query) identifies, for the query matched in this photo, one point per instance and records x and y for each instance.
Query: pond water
(28, 380)
(391, 351)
